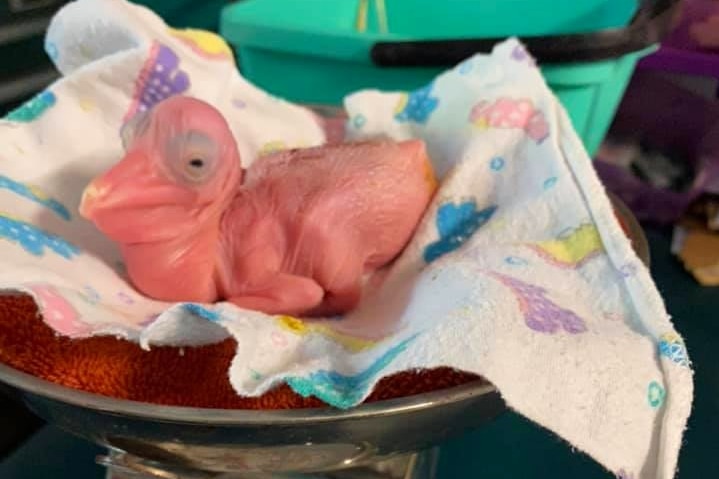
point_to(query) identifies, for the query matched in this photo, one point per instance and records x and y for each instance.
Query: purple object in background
(669, 118)
(680, 52)
(646, 202)
(691, 12)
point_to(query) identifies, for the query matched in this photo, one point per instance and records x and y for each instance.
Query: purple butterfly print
(520, 54)
(540, 313)
(622, 474)
(149, 320)
(125, 298)
(160, 78)
(628, 270)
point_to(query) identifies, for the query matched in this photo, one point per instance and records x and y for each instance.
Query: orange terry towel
(194, 377)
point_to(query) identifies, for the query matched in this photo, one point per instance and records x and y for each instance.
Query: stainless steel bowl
(194, 439)
(173, 442)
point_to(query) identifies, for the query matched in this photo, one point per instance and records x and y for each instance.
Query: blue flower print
(465, 67)
(417, 106)
(497, 163)
(201, 311)
(33, 108)
(51, 50)
(34, 240)
(549, 182)
(655, 394)
(343, 391)
(35, 195)
(358, 121)
(672, 346)
(456, 224)
(515, 261)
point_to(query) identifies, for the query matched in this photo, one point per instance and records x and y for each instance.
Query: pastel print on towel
(521, 216)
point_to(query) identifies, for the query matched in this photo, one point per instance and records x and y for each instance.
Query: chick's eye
(195, 168)
(192, 156)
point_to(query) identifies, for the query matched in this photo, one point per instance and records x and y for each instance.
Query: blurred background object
(18, 424)
(661, 154)
(587, 50)
(26, 68)
(203, 14)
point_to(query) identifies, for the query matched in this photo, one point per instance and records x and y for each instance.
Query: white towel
(519, 271)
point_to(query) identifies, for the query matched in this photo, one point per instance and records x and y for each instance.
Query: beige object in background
(699, 251)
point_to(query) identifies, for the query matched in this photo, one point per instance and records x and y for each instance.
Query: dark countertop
(510, 447)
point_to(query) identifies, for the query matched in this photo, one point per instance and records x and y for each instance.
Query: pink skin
(333, 127)
(296, 233)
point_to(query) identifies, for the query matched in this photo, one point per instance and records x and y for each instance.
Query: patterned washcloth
(519, 271)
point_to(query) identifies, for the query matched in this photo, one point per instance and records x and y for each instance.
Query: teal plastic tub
(318, 51)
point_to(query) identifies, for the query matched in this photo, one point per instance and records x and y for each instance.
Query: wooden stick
(381, 16)
(361, 20)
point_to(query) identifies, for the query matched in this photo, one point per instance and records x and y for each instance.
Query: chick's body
(308, 224)
(295, 233)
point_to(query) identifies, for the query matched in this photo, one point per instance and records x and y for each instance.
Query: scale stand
(421, 465)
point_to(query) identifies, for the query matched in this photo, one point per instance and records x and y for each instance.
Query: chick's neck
(179, 269)
(251, 243)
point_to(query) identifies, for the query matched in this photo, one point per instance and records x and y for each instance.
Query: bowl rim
(29, 384)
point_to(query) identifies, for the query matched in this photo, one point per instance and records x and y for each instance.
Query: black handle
(652, 21)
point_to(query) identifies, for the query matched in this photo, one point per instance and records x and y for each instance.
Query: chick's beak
(115, 186)
(134, 186)
(90, 197)
(94, 194)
